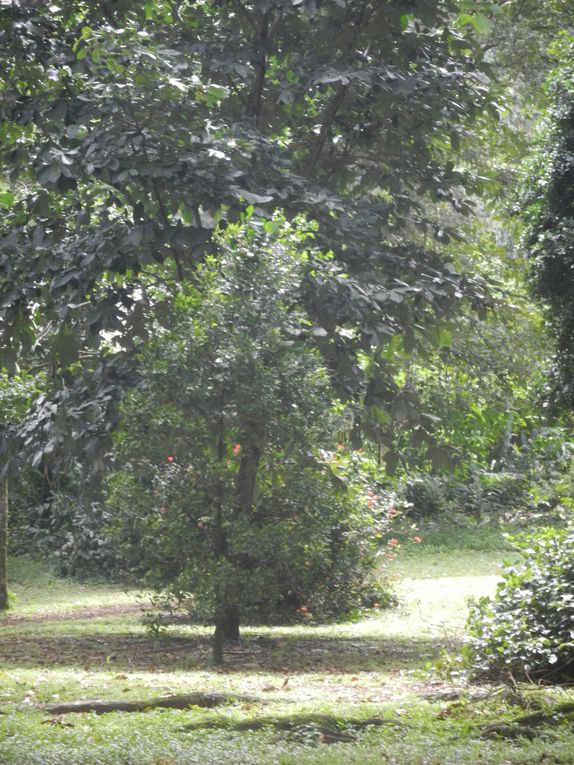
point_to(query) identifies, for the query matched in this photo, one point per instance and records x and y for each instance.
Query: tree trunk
(4, 546)
(217, 648)
(226, 628)
(230, 623)
(247, 479)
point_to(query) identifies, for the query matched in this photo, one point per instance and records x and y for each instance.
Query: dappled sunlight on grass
(37, 590)
(64, 640)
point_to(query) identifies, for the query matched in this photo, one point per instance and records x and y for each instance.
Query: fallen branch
(183, 701)
(527, 724)
(290, 723)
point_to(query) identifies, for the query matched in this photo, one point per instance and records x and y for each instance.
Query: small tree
(223, 490)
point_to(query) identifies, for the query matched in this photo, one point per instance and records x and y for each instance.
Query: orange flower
(393, 542)
(237, 449)
(417, 540)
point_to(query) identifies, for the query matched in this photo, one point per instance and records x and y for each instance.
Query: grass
(68, 640)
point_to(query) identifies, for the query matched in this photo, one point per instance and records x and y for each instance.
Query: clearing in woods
(360, 692)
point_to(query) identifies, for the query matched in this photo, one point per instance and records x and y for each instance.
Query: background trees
(549, 205)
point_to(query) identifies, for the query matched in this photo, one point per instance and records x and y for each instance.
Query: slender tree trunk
(247, 479)
(4, 546)
(218, 638)
(230, 623)
(220, 545)
(226, 628)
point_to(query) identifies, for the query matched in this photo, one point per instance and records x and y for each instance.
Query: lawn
(69, 640)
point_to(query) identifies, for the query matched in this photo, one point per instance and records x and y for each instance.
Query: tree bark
(220, 544)
(183, 701)
(4, 546)
(247, 479)
(230, 623)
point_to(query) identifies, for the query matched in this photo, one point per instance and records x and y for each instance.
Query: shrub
(527, 630)
(306, 550)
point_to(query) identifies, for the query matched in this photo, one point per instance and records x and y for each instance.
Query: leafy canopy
(131, 132)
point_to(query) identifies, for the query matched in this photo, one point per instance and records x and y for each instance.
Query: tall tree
(549, 210)
(132, 131)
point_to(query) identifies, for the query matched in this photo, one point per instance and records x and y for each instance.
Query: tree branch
(260, 66)
(327, 122)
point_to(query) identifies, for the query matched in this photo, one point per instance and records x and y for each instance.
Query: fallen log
(290, 723)
(182, 701)
(527, 724)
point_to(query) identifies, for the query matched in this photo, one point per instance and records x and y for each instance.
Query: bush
(527, 630)
(306, 550)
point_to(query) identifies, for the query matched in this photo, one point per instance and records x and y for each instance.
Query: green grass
(70, 640)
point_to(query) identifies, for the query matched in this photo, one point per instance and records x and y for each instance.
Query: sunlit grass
(51, 650)
(36, 589)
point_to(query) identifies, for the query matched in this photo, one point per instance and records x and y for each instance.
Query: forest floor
(65, 640)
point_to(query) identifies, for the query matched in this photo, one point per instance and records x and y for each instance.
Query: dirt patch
(128, 651)
(98, 612)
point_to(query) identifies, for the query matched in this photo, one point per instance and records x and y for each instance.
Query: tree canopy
(132, 132)
(549, 210)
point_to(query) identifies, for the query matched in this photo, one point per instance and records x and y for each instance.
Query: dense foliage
(527, 630)
(550, 211)
(225, 488)
(133, 131)
(243, 241)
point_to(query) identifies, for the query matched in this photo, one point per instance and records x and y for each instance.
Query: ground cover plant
(527, 630)
(356, 692)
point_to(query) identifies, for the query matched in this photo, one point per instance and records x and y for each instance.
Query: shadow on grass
(296, 654)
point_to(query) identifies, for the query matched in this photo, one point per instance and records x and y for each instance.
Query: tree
(225, 488)
(132, 131)
(549, 211)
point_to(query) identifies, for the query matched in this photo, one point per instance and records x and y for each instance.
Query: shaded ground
(130, 652)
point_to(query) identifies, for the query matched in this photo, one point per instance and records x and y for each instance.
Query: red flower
(170, 458)
(236, 449)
